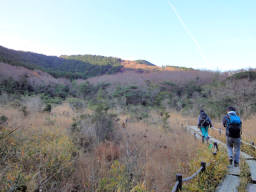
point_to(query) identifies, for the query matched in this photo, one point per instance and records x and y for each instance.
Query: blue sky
(136, 29)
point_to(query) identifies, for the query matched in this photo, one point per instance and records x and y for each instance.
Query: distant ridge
(127, 64)
(56, 66)
(78, 66)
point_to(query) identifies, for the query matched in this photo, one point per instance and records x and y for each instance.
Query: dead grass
(151, 154)
(249, 129)
(160, 153)
(39, 152)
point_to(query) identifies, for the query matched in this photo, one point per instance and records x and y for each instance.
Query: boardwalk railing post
(220, 131)
(216, 148)
(203, 165)
(179, 179)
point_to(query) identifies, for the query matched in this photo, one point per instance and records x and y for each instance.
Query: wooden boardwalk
(230, 184)
(252, 166)
(251, 188)
(232, 180)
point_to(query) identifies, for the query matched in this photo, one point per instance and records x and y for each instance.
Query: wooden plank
(245, 155)
(234, 171)
(232, 180)
(230, 184)
(252, 166)
(251, 188)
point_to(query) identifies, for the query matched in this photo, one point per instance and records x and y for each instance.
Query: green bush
(48, 108)
(116, 179)
(76, 103)
(3, 119)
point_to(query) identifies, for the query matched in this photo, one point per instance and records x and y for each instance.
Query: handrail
(201, 169)
(179, 180)
(175, 187)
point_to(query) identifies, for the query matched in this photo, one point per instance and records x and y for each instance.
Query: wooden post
(216, 146)
(220, 131)
(203, 165)
(179, 179)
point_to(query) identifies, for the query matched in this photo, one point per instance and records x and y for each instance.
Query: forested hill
(77, 66)
(56, 66)
(102, 60)
(95, 59)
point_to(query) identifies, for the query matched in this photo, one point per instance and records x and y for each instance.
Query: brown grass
(139, 79)
(134, 65)
(160, 153)
(152, 154)
(42, 148)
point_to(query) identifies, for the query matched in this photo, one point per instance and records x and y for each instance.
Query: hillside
(77, 66)
(109, 127)
(56, 66)
(137, 65)
(94, 59)
(126, 130)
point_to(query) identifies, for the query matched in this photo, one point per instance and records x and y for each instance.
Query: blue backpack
(234, 125)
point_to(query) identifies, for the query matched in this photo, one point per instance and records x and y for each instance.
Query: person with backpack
(233, 125)
(203, 124)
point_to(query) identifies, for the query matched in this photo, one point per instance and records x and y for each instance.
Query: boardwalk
(251, 188)
(232, 180)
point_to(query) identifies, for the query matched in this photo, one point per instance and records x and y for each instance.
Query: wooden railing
(179, 180)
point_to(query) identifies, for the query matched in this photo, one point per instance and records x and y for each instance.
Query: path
(232, 180)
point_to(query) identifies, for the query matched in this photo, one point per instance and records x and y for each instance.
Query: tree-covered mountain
(102, 60)
(95, 59)
(56, 66)
(77, 66)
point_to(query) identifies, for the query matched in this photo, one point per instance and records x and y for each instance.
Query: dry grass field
(41, 152)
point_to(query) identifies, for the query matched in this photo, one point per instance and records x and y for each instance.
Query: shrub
(76, 103)
(24, 110)
(35, 157)
(215, 171)
(139, 188)
(47, 108)
(3, 119)
(116, 179)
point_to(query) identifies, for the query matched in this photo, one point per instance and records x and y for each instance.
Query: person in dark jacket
(233, 125)
(203, 124)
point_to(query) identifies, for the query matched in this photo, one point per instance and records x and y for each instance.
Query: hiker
(233, 125)
(203, 123)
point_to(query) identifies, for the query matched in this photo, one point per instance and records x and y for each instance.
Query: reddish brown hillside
(140, 79)
(128, 64)
(34, 77)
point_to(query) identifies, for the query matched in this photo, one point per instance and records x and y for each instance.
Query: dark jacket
(226, 119)
(200, 119)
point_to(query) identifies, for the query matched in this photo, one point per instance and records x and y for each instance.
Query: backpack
(234, 126)
(204, 121)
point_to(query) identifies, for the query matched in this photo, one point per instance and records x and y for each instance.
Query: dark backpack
(204, 120)
(234, 126)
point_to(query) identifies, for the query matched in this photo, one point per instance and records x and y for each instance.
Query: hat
(230, 108)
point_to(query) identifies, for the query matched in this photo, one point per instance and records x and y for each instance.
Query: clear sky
(206, 34)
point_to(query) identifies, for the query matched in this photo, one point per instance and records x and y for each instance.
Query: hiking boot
(230, 161)
(236, 164)
(207, 139)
